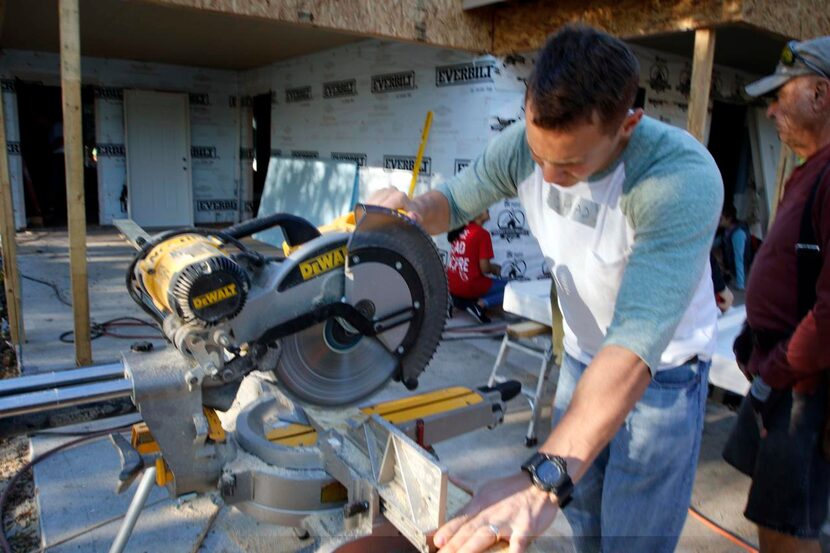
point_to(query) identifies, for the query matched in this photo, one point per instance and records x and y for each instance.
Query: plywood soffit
(798, 19)
(434, 22)
(521, 27)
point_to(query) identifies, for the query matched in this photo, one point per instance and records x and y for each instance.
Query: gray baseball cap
(810, 57)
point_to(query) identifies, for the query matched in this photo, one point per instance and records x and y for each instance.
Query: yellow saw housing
(192, 276)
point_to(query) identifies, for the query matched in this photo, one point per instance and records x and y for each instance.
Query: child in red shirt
(469, 265)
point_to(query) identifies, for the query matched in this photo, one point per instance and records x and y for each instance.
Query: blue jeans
(495, 295)
(636, 494)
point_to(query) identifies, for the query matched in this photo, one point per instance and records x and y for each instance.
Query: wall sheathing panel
(435, 22)
(214, 120)
(367, 102)
(13, 151)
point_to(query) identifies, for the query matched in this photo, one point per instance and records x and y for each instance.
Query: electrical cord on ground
(51, 285)
(718, 529)
(109, 329)
(4, 543)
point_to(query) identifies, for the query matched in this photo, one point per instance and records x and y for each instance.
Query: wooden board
(702, 64)
(70, 38)
(11, 282)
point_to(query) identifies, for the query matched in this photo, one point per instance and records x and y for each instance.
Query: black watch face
(548, 473)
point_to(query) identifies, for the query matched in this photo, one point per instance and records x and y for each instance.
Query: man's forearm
(434, 210)
(614, 381)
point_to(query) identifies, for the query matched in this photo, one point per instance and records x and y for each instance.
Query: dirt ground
(20, 518)
(20, 515)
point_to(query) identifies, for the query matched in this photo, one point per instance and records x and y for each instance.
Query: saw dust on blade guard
(393, 277)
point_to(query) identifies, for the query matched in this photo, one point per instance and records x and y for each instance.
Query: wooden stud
(70, 37)
(704, 57)
(11, 281)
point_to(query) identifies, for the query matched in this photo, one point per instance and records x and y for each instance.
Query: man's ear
(630, 122)
(821, 95)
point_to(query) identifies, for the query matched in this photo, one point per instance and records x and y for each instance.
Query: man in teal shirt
(624, 209)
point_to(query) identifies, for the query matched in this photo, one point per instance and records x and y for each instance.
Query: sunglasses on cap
(790, 55)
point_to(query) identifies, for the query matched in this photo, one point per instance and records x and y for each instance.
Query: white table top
(531, 299)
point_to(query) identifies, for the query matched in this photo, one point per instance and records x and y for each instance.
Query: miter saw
(263, 396)
(347, 310)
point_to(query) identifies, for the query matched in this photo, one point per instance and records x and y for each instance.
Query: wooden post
(704, 58)
(70, 36)
(11, 281)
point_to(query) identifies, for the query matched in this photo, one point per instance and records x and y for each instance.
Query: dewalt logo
(323, 263)
(215, 296)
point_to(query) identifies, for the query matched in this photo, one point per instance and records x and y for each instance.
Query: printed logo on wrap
(511, 222)
(514, 269)
(391, 82)
(216, 205)
(460, 165)
(299, 94)
(305, 154)
(360, 159)
(203, 152)
(111, 150)
(465, 73)
(407, 163)
(340, 89)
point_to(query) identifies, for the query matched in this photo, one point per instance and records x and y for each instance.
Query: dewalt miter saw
(345, 311)
(262, 399)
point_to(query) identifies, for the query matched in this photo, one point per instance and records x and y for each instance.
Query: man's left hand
(508, 509)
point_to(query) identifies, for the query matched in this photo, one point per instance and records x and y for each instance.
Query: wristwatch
(549, 473)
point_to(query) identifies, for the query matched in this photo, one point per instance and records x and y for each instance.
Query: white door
(157, 126)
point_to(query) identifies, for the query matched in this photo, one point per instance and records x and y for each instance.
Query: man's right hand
(392, 198)
(431, 209)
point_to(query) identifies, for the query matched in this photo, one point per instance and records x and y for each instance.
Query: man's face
(571, 156)
(791, 110)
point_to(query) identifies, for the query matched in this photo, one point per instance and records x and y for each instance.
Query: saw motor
(191, 276)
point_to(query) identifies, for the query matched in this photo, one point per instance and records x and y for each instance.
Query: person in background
(736, 245)
(471, 273)
(782, 435)
(723, 295)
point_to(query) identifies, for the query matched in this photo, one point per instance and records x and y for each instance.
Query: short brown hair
(580, 72)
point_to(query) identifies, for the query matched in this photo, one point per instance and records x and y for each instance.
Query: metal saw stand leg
(512, 337)
(145, 486)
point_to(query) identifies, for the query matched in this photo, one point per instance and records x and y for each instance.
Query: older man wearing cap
(781, 438)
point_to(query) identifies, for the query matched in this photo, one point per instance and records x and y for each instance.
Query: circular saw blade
(327, 365)
(394, 276)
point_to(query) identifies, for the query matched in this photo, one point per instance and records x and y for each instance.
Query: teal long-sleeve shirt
(672, 198)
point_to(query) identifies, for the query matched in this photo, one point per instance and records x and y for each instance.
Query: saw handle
(296, 229)
(508, 389)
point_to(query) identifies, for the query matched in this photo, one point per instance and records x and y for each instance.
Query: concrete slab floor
(75, 487)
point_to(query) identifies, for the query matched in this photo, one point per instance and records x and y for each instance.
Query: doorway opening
(730, 146)
(41, 142)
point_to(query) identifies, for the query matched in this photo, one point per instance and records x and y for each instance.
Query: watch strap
(563, 490)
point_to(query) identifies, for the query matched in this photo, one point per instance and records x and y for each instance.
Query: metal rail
(58, 379)
(46, 400)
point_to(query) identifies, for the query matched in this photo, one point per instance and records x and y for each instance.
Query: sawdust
(20, 516)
